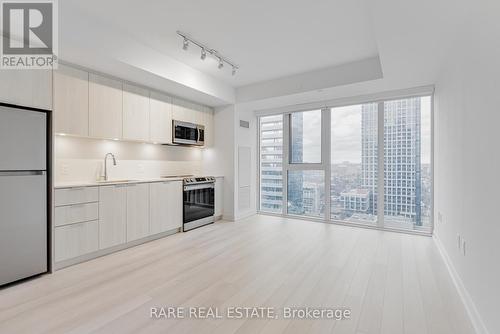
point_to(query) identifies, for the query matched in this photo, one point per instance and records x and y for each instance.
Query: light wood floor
(393, 283)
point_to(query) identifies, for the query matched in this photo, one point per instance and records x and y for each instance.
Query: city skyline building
(402, 164)
(271, 155)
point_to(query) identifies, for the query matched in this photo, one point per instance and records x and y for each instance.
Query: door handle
(22, 173)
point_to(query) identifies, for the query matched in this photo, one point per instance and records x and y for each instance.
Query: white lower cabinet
(175, 203)
(165, 206)
(94, 218)
(112, 216)
(76, 239)
(137, 211)
(78, 213)
(219, 197)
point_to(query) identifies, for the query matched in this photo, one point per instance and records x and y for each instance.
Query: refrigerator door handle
(22, 173)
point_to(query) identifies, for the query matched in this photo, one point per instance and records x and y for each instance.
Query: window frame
(325, 164)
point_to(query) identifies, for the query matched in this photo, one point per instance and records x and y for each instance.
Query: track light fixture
(205, 49)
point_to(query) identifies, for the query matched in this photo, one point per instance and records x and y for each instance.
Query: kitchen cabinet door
(160, 121)
(71, 101)
(208, 122)
(112, 216)
(135, 113)
(75, 240)
(137, 211)
(159, 207)
(105, 107)
(29, 88)
(175, 203)
(219, 196)
(182, 111)
(198, 113)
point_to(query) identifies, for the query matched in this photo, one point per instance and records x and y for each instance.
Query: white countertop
(75, 184)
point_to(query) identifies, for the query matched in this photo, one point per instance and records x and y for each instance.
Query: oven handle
(199, 186)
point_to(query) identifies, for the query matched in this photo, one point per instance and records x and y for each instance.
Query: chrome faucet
(106, 164)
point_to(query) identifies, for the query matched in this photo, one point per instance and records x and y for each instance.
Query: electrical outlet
(440, 217)
(459, 242)
(64, 169)
(463, 246)
(140, 167)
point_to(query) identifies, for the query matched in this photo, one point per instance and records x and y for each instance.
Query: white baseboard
(245, 215)
(228, 218)
(475, 317)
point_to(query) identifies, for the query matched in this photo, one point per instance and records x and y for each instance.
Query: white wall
(245, 197)
(467, 159)
(81, 159)
(219, 160)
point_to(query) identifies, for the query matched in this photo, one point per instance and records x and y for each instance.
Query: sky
(346, 134)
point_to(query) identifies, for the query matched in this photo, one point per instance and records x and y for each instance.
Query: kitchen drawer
(69, 196)
(77, 213)
(76, 240)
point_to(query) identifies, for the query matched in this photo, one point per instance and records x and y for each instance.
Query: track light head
(186, 41)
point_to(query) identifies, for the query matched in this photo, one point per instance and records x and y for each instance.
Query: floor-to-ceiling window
(347, 163)
(271, 170)
(305, 172)
(354, 136)
(407, 164)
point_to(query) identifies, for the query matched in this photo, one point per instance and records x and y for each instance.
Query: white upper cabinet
(198, 113)
(160, 120)
(29, 88)
(137, 211)
(188, 111)
(71, 101)
(91, 105)
(208, 122)
(181, 111)
(135, 113)
(105, 107)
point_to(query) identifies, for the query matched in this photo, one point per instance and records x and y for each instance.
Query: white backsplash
(81, 159)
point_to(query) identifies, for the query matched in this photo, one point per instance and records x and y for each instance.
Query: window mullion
(380, 165)
(285, 161)
(325, 157)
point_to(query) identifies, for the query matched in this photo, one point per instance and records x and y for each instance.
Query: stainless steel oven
(199, 202)
(188, 133)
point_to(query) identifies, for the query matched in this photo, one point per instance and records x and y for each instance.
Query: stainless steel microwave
(185, 133)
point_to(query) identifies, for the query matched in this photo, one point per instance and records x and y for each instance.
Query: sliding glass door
(364, 164)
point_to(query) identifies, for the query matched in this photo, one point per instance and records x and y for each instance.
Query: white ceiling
(267, 39)
(288, 50)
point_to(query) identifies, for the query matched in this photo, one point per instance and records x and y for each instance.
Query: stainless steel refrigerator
(23, 193)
